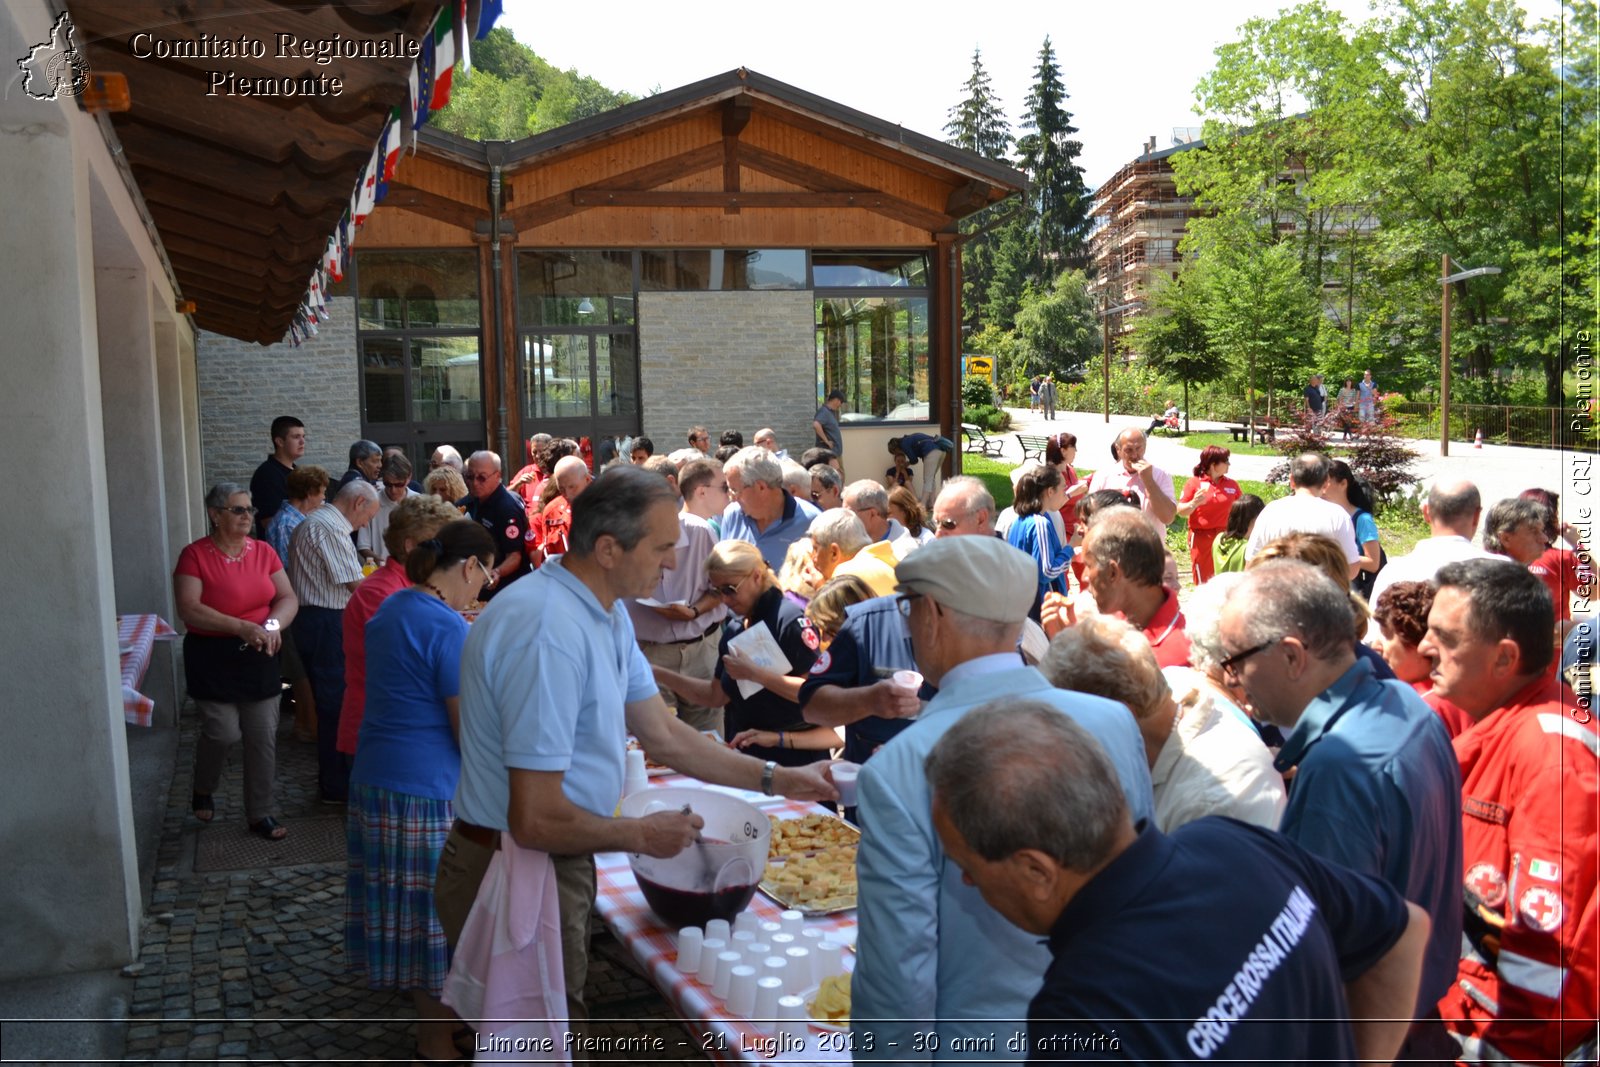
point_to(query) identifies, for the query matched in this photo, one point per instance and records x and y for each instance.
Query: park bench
(1033, 446)
(1266, 429)
(978, 442)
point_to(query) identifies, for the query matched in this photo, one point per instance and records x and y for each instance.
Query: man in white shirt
(1452, 510)
(1304, 511)
(870, 501)
(1150, 483)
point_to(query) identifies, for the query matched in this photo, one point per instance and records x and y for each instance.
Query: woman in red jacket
(1205, 502)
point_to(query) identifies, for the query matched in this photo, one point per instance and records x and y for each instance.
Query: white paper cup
(690, 940)
(742, 990)
(718, 928)
(780, 942)
(637, 776)
(844, 779)
(800, 960)
(911, 680)
(768, 929)
(710, 949)
(768, 990)
(756, 952)
(811, 937)
(746, 920)
(726, 962)
(741, 939)
(829, 961)
(794, 921)
(792, 1023)
(778, 967)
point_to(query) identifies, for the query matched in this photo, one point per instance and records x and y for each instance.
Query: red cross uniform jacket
(1526, 990)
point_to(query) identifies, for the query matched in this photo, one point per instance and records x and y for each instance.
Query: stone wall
(244, 386)
(737, 360)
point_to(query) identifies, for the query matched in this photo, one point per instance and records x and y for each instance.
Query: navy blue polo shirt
(764, 709)
(872, 644)
(503, 515)
(1169, 952)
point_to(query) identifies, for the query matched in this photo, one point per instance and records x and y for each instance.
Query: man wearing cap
(929, 948)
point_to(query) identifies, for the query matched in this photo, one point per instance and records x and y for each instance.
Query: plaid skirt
(391, 930)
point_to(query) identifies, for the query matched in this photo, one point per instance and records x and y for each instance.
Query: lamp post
(1105, 331)
(1446, 279)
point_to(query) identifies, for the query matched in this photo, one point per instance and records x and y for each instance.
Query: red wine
(679, 908)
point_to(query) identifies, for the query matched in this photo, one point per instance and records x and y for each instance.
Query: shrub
(991, 418)
(976, 392)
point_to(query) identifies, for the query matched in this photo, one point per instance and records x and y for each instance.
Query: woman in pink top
(415, 519)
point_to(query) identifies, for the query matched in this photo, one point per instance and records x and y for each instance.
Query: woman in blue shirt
(407, 762)
(1346, 490)
(1041, 493)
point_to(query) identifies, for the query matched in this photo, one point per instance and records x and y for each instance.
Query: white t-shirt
(1424, 561)
(1302, 513)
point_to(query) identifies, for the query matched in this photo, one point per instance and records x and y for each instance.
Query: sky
(1129, 68)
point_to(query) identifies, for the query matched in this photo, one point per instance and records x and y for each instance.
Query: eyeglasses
(947, 524)
(729, 590)
(1232, 663)
(903, 602)
(482, 477)
(489, 577)
(395, 485)
(239, 510)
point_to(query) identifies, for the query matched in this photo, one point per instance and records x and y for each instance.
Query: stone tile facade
(736, 360)
(244, 386)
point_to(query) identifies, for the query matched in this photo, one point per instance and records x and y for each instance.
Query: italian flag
(444, 56)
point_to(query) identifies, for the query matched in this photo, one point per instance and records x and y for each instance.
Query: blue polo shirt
(1168, 952)
(872, 644)
(1378, 789)
(775, 540)
(545, 674)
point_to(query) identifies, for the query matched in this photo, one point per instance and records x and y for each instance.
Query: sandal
(269, 828)
(203, 806)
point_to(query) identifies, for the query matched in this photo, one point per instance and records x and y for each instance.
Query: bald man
(1452, 509)
(490, 504)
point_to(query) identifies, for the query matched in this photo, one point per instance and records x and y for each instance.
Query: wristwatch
(271, 626)
(768, 769)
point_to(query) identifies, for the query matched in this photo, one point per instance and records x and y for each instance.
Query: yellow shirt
(873, 565)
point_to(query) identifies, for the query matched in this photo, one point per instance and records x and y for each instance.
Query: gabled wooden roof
(245, 190)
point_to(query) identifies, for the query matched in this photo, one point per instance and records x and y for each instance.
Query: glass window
(875, 348)
(728, 269)
(445, 380)
(383, 366)
(857, 270)
(419, 289)
(575, 288)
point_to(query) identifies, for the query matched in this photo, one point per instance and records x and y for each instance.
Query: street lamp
(1105, 329)
(1446, 279)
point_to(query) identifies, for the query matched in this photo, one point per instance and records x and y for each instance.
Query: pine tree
(979, 125)
(1050, 156)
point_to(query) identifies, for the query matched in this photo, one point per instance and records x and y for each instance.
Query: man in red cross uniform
(1530, 766)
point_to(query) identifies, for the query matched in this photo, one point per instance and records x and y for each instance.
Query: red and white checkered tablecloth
(136, 637)
(726, 1038)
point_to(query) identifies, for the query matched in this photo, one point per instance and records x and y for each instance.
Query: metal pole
(1105, 329)
(1444, 360)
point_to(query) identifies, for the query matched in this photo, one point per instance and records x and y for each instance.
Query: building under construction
(1139, 218)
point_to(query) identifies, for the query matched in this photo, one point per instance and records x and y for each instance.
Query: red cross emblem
(1486, 880)
(1540, 908)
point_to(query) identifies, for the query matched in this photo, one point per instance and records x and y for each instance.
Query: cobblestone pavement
(250, 963)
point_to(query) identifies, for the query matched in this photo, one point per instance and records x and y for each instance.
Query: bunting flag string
(444, 48)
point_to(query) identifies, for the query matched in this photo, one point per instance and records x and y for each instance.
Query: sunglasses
(948, 524)
(729, 590)
(482, 477)
(239, 509)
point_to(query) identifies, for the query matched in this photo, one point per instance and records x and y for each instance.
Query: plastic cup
(637, 777)
(778, 967)
(768, 990)
(800, 960)
(742, 990)
(844, 778)
(755, 952)
(719, 929)
(691, 939)
(792, 1023)
(746, 920)
(768, 929)
(830, 960)
(911, 680)
(726, 962)
(780, 942)
(741, 940)
(794, 921)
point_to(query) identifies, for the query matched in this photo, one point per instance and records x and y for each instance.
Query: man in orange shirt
(1526, 988)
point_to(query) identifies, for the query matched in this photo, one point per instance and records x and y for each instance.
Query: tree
(1056, 328)
(1049, 154)
(1011, 264)
(1260, 314)
(510, 92)
(1172, 334)
(979, 125)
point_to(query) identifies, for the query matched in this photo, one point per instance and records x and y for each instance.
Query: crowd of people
(1409, 781)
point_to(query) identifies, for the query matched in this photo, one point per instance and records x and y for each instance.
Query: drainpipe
(502, 417)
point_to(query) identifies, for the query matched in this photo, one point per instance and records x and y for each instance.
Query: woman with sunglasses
(234, 598)
(408, 760)
(751, 591)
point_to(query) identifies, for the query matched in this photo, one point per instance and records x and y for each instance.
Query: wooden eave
(244, 191)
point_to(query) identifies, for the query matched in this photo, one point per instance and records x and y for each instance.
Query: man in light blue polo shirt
(552, 682)
(1377, 785)
(763, 512)
(932, 957)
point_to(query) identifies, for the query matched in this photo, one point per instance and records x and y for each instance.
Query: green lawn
(1238, 448)
(1399, 527)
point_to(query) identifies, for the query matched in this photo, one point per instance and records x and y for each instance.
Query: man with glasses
(395, 475)
(493, 506)
(325, 570)
(1376, 784)
(930, 948)
(763, 512)
(827, 487)
(963, 507)
(766, 438)
(700, 440)
(679, 630)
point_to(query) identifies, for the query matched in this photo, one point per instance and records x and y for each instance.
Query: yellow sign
(981, 366)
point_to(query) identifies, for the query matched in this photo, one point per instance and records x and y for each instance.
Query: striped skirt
(391, 930)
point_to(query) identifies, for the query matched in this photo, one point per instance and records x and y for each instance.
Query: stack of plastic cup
(690, 940)
(765, 1016)
(710, 949)
(742, 990)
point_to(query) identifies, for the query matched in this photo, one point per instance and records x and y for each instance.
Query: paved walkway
(250, 963)
(1499, 471)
